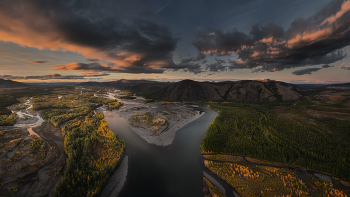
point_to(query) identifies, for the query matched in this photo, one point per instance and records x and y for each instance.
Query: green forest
(297, 133)
(7, 118)
(93, 153)
(93, 150)
(111, 103)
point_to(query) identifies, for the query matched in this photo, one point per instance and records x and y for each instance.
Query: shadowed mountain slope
(188, 90)
(11, 84)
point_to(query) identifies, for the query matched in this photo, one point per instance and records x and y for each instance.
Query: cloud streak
(305, 71)
(38, 62)
(309, 71)
(312, 41)
(327, 66)
(217, 67)
(345, 67)
(53, 76)
(97, 67)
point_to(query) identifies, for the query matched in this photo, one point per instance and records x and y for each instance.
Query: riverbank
(174, 115)
(250, 179)
(285, 134)
(173, 170)
(117, 180)
(32, 152)
(31, 162)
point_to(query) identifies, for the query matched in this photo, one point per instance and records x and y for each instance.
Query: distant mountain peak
(11, 84)
(246, 90)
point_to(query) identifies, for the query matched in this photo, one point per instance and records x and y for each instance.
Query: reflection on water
(174, 170)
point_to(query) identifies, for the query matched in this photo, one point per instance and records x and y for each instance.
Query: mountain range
(189, 90)
(247, 90)
(140, 86)
(11, 84)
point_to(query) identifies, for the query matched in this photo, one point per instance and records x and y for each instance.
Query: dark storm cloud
(115, 31)
(38, 62)
(52, 76)
(195, 68)
(345, 67)
(199, 57)
(306, 71)
(326, 66)
(92, 60)
(209, 40)
(259, 32)
(217, 67)
(312, 41)
(310, 70)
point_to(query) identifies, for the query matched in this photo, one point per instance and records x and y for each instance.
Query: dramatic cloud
(309, 71)
(97, 67)
(92, 60)
(189, 64)
(103, 30)
(218, 66)
(312, 41)
(326, 66)
(199, 57)
(345, 67)
(306, 71)
(53, 76)
(38, 62)
(195, 68)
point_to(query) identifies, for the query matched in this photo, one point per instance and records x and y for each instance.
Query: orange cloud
(345, 7)
(33, 30)
(29, 24)
(329, 25)
(309, 36)
(132, 58)
(64, 67)
(209, 52)
(216, 51)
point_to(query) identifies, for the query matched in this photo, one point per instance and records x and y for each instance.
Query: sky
(169, 40)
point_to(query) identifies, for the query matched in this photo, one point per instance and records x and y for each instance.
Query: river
(173, 170)
(37, 119)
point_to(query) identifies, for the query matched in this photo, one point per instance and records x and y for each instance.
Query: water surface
(174, 170)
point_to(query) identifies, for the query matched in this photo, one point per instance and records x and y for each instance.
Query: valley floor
(41, 145)
(290, 148)
(155, 122)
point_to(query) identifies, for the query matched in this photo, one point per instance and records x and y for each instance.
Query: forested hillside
(246, 90)
(309, 133)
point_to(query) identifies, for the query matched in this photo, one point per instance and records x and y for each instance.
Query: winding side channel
(174, 170)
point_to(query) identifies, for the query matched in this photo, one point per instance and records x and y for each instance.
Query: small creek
(31, 125)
